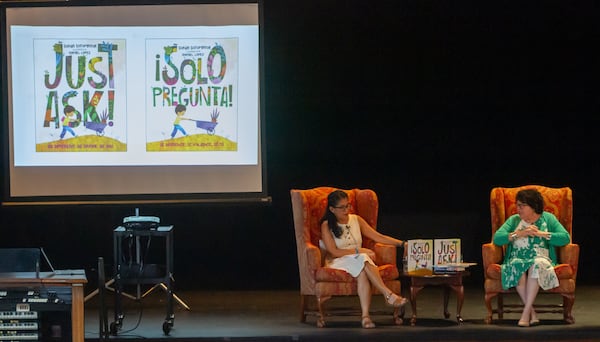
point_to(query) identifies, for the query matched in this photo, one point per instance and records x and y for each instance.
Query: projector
(141, 222)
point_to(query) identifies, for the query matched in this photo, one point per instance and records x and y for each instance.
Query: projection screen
(132, 102)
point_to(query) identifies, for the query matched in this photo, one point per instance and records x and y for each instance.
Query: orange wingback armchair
(321, 283)
(558, 201)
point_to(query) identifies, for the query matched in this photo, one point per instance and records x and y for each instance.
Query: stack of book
(452, 267)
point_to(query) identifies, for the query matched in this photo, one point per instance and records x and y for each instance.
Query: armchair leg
(488, 305)
(321, 314)
(568, 301)
(303, 303)
(500, 307)
(398, 315)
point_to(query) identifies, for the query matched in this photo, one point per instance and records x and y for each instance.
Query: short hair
(532, 198)
(179, 108)
(69, 109)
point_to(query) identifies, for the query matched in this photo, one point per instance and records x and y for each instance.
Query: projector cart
(131, 268)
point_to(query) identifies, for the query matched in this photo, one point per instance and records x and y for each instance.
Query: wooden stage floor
(274, 316)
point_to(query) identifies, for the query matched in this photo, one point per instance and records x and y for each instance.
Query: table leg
(77, 313)
(460, 297)
(446, 300)
(414, 290)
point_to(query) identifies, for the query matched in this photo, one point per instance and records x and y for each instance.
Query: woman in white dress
(341, 233)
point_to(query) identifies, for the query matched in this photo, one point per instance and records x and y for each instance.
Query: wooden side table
(450, 281)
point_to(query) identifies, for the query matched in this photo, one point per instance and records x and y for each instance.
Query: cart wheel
(167, 327)
(114, 327)
(210, 131)
(100, 133)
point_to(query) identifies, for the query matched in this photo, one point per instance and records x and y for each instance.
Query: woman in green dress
(530, 236)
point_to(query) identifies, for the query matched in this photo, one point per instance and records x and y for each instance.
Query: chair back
(558, 201)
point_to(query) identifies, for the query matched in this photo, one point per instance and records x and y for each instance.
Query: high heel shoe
(394, 300)
(523, 324)
(534, 319)
(367, 323)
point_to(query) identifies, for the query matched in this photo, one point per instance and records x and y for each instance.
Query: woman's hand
(533, 230)
(369, 252)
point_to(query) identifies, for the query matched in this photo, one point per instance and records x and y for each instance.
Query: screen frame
(168, 198)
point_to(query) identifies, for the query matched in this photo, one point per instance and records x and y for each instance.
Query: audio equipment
(35, 314)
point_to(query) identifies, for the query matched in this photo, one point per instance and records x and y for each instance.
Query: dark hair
(179, 108)
(68, 109)
(332, 200)
(532, 198)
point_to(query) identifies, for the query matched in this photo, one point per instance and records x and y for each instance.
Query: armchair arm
(491, 254)
(385, 254)
(313, 257)
(569, 254)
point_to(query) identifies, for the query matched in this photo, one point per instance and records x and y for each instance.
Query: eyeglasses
(347, 206)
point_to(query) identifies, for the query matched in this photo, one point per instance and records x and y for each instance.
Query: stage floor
(274, 316)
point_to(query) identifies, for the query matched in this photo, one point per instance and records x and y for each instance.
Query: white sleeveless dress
(351, 238)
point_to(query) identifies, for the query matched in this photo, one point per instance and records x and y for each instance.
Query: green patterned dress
(525, 252)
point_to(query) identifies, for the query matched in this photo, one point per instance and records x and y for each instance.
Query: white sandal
(367, 323)
(394, 300)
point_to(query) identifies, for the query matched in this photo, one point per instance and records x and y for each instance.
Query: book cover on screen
(79, 95)
(191, 94)
(129, 96)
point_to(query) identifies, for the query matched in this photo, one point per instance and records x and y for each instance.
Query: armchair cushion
(563, 271)
(387, 272)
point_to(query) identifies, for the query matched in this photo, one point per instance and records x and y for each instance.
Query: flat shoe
(367, 323)
(534, 322)
(523, 324)
(394, 300)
